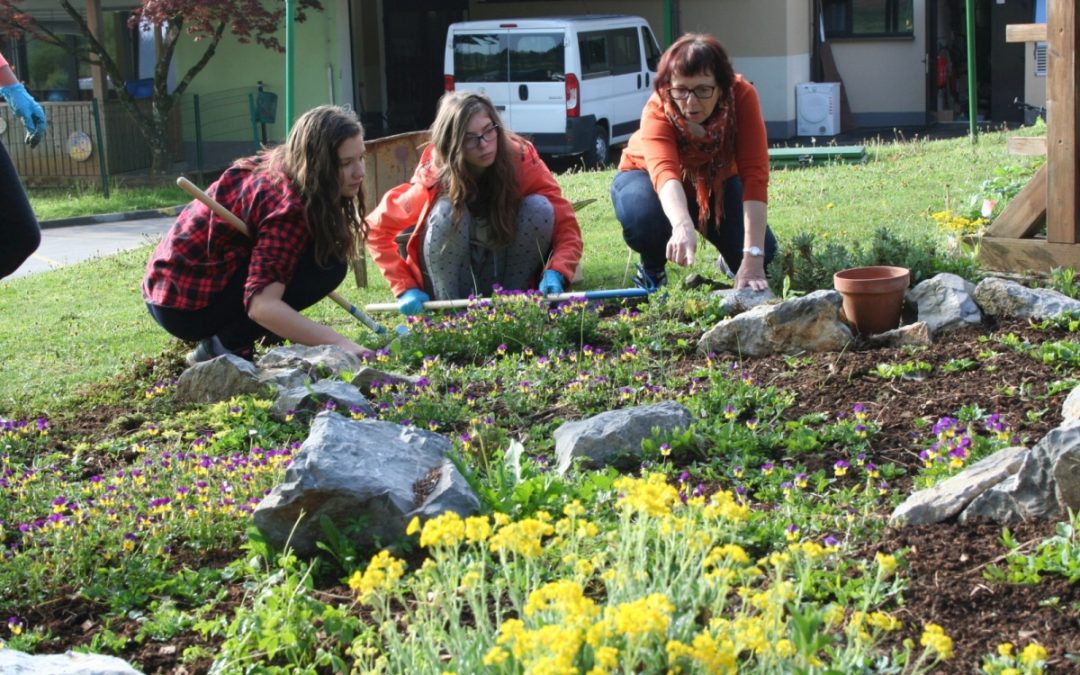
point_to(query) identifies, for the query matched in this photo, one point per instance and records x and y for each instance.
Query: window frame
(847, 32)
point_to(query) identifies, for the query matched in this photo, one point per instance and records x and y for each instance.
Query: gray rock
(219, 379)
(14, 662)
(1070, 409)
(944, 303)
(950, 496)
(738, 301)
(308, 400)
(1036, 491)
(366, 473)
(807, 324)
(284, 378)
(368, 376)
(616, 436)
(1001, 297)
(320, 362)
(916, 334)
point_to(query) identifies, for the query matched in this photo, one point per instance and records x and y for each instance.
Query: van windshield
(509, 57)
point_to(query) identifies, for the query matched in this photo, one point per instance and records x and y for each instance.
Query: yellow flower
(652, 495)
(522, 537)
(496, 656)
(886, 564)
(382, 572)
(645, 616)
(446, 529)
(1032, 654)
(1005, 649)
(413, 527)
(935, 640)
(477, 529)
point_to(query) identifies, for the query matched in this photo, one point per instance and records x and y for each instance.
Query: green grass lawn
(66, 329)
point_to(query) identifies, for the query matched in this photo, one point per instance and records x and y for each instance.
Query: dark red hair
(695, 54)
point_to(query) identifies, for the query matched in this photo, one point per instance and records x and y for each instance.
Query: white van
(574, 85)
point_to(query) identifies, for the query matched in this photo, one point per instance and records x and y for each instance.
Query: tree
(197, 20)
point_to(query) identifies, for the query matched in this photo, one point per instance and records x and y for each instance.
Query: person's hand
(28, 109)
(359, 351)
(751, 274)
(412, 301)
(682, 246)
(551, 283)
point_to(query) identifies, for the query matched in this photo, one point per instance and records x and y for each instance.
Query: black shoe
(650, 280)
(207, 349)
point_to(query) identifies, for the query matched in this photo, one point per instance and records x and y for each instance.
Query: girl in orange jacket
(481, 210)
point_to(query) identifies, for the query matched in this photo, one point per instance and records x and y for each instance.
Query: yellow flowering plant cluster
(1031, 660)
(651, 582)
(959, 225)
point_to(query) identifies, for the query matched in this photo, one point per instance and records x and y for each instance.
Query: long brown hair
(309, 158)
(498, 182)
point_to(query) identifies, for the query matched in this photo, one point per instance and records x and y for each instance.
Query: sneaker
(650, 280)
(207, 349)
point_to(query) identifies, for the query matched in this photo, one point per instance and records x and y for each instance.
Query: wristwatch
(754, 251)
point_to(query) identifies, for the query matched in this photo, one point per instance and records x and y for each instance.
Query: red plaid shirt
(202, 252)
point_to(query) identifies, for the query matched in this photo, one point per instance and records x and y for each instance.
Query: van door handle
(646, 79)
(523, 92)
(639, 80)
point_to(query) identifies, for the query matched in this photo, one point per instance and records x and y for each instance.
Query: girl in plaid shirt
(303, 203)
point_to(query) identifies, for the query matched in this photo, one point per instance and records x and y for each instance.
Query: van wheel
(596, 156)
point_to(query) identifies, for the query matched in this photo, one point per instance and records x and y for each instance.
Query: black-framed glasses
(700, 92)
(472, 141)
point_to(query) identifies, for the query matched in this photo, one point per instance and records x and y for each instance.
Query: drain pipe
(973, 94)
(289, 66)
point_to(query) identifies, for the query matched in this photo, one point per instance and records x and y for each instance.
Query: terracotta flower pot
(873, 296)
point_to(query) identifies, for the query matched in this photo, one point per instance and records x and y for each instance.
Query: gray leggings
(455, 268)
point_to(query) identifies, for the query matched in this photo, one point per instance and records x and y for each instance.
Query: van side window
(652, 50)
(625, 54)
(537, 57)
(480, 58)
(593, 49)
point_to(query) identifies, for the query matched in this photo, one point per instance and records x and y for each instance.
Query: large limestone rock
(949, 497)
(945, 303)
(1046, 485)
(376, 474)
(309, 399)
(13, 662)
(616, 436)
(320, 362)
(219, 379)
(1001, 297)
(807, 324)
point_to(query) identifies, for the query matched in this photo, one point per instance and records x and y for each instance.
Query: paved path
(62, 246)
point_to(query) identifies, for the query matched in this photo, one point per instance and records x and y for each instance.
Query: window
(480, 58)
(593, 50)
(868, 18)
(625, 53)
(537, 57)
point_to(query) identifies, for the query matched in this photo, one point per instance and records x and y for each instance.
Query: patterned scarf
(704, 151)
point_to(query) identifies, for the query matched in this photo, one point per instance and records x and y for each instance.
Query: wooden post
(1061, 104)
(97, 73)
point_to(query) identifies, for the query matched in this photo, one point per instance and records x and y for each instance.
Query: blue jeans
(647, 230)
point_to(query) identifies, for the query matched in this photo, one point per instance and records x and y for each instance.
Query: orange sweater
(408, 204)
(653, 149)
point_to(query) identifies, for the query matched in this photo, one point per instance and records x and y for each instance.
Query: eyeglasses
(472, 141)
(700, 92)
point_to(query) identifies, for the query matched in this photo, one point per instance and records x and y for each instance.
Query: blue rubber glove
(28, 109)
(551, 283)
(412, 301)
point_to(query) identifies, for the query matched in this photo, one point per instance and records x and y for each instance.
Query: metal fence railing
(91, 143)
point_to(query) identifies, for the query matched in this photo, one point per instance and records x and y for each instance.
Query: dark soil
(945, 563)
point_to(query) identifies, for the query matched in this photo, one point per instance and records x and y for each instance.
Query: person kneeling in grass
(303, 203)
(482, 210)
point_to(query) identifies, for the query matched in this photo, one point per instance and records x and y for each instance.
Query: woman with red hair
(698, 164)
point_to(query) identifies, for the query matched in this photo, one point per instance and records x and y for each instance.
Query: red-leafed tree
(201, 21)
